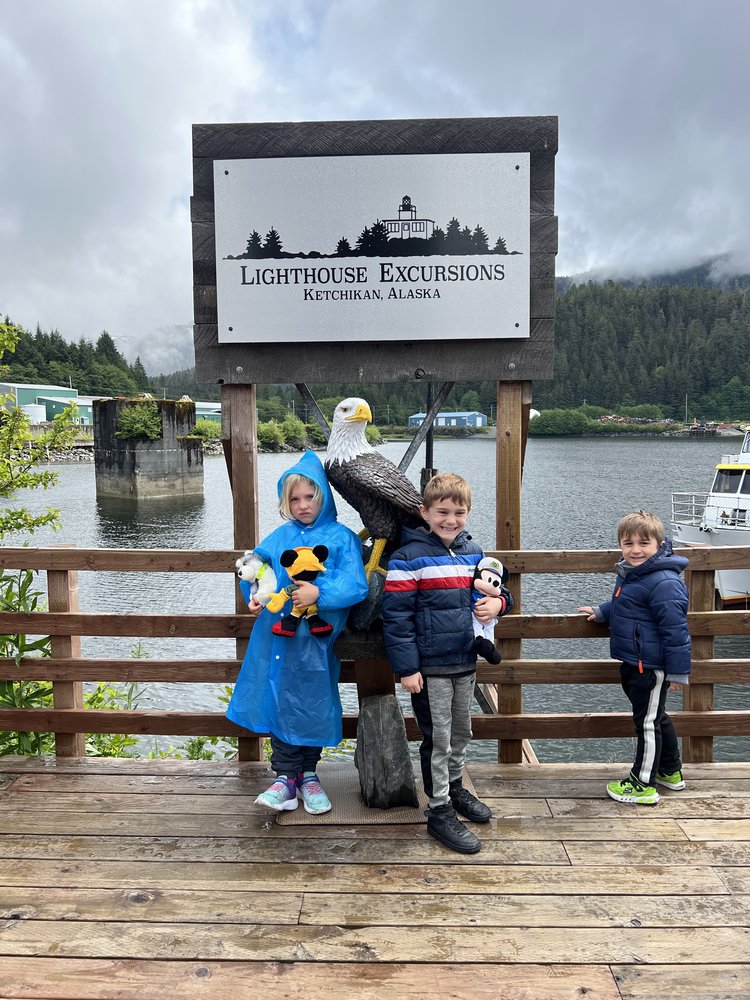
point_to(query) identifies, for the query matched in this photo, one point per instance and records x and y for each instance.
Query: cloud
(98, 100)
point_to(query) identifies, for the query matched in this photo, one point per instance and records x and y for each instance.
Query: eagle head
(353, 410)
(347, 438)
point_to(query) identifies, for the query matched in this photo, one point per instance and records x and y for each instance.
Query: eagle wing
(377, 489)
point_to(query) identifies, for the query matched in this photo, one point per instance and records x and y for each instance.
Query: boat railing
(364, 663)
(689, 508)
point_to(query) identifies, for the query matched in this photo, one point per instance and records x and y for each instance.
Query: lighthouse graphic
(407, 225)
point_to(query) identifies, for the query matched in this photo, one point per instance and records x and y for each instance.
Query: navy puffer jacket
(427, 602)
(647, 615)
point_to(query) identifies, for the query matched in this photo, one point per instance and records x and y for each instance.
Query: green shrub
(644, 411)
(270, 435)
(562, 422)
(209, 430)
(315, 434)
(294, 432)
(372, 433)
(139, 420)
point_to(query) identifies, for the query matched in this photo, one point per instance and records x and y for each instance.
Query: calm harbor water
(574, 492)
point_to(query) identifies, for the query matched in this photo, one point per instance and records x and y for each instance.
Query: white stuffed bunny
(259, 574)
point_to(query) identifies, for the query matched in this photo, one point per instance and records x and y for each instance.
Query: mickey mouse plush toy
(302, 563)
(489, 579)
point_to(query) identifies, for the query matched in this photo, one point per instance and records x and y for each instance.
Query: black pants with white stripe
(657, 749)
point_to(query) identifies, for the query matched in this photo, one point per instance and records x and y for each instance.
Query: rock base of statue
(386, 776)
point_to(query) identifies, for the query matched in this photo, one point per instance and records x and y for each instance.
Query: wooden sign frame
(462, 358)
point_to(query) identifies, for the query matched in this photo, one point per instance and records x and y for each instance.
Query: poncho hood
(311, 468)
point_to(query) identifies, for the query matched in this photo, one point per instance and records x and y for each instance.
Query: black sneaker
(468, 805)
(445, 826)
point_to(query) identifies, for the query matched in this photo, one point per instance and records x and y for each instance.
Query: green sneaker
(674, 781)
(631, 790)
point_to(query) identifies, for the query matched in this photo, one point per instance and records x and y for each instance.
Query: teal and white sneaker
(675, 781)
(279, 796)
(309, 789)
(631, 790)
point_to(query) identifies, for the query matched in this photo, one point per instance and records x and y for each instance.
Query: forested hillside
(615, 345)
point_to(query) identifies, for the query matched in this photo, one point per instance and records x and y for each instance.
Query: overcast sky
(97, 99)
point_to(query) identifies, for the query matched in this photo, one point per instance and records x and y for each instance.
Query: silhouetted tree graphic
(479, 242)
(254, 245)
(272, 245)
(364, 243)
(379, 239)
(374, 241)
(453, 236)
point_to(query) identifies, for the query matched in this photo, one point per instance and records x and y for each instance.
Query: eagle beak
(362, 413)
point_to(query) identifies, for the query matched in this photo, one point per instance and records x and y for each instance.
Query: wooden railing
(362, 660)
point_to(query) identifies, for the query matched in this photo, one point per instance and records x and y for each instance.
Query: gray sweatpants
(443, 713)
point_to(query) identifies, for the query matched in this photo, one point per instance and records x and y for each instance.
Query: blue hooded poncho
(290, 686)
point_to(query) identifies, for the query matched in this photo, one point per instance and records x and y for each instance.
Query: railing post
(699, 697)
(62, 595)
(509, 464)
(239, 432)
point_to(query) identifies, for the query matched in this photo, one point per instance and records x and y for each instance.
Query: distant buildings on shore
(42, 403)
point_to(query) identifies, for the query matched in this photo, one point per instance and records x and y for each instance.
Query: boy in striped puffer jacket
(429, 636)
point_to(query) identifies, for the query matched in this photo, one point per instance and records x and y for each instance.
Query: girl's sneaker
(675, 781)
(314, 799)
(279, 796)
(631, 790)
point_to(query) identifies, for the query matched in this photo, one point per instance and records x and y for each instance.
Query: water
(574, 492)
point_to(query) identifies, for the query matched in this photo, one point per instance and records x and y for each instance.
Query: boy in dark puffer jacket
(647, 618)
(429, 635)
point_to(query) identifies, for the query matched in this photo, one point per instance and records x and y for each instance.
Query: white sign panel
(372, 248)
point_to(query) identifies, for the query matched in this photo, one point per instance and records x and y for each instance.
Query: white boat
(720, 516)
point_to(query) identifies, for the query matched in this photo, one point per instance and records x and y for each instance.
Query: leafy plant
(294, 432)
(208, 430)
(139, 419)
(107, 696)
(20, 456)
(270, 435)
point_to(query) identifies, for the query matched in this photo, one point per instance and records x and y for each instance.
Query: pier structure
(125, 879)
(170, 465)
(153, 878)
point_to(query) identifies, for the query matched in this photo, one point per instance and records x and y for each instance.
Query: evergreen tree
(106, 350)
(272, 245)
(254, 247)
(379, 238)
(363, 246)
(479, 243)
(140, 378)
(453, 236)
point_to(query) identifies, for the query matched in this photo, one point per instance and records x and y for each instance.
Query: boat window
(727, 481)
(745, 488)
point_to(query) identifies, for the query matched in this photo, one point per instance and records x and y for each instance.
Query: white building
(407, 225)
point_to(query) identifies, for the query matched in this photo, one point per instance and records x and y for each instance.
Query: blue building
(454, 418)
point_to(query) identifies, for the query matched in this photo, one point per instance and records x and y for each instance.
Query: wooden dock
(161, 879)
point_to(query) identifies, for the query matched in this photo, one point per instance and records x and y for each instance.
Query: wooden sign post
(375, 251)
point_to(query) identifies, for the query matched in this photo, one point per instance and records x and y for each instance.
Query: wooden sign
(376, 251)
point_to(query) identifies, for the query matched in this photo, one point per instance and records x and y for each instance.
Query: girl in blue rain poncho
(289, 685)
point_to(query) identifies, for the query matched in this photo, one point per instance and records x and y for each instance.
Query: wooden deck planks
(73, 979)
(142, 879)
(315, 943)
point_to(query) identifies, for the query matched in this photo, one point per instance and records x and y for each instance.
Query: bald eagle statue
(376, 488)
